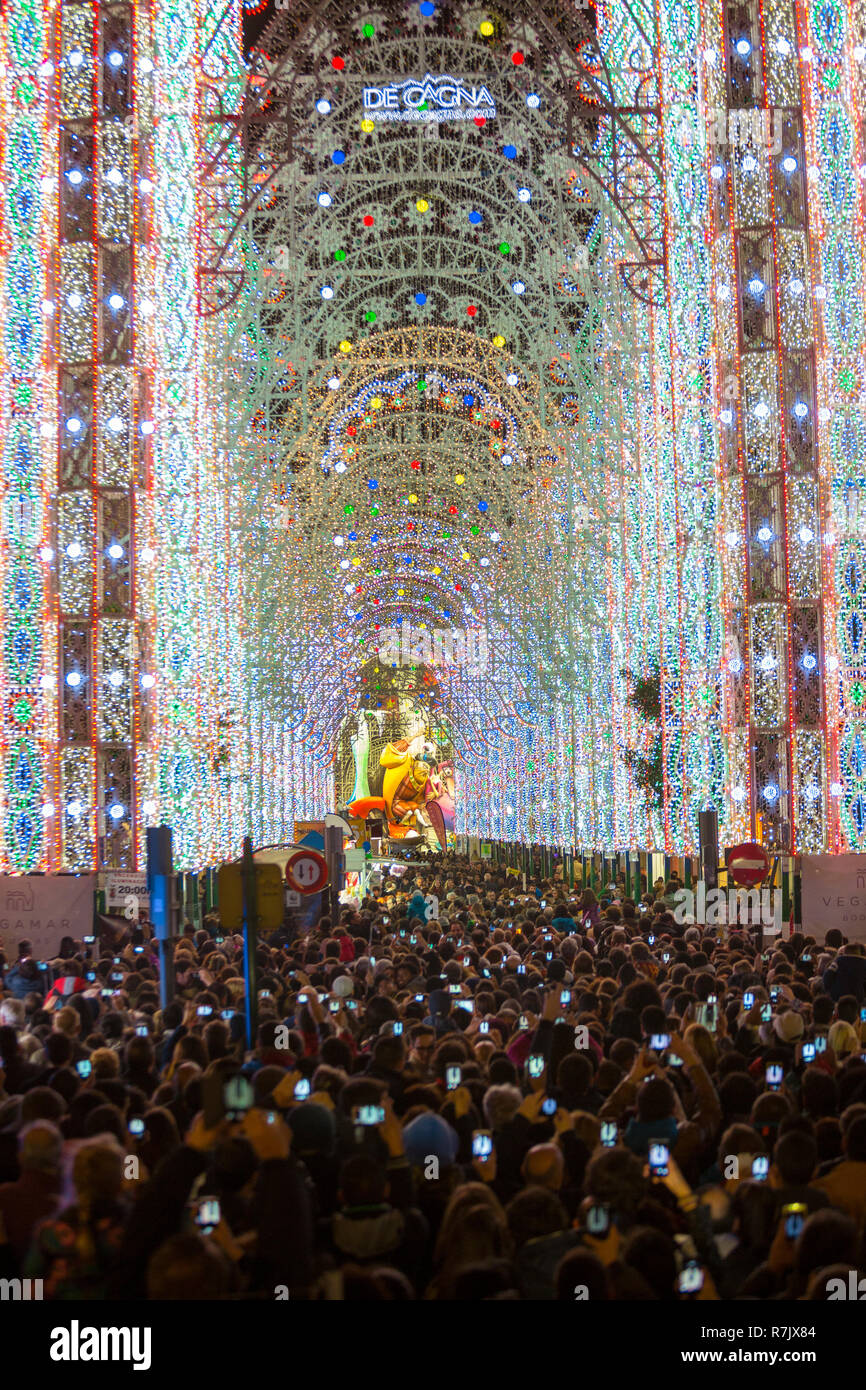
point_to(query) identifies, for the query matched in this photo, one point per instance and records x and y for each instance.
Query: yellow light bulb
(345, 346)
(377, 403)
(459, 478)
(412, 497)
(422, 205)
(368, 127)
(485, 29)
(499, 341)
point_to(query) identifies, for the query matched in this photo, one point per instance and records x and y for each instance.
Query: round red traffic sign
(307, 871)
(748, 864)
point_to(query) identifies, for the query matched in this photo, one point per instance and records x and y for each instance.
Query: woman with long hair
(74, 1252)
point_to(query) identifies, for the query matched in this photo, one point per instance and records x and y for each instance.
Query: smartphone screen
(207, 1214)
(482, 1144)
(691, 1278)
(84, 1069)
(370, 1115)
(760, 1167)
(795, 1216)
(749, 999)
(453, 1077)
(658, 1159)
(535, 1065)
(302, 1089)
(773, 1076)
(598, 1219)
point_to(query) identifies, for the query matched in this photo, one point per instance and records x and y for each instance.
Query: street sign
(293, 899)
(748, 864)
(269, 897)
(307, 871)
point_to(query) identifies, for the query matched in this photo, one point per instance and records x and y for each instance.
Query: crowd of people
(539, 1093)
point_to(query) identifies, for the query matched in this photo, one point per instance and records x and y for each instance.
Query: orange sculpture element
(406, 787)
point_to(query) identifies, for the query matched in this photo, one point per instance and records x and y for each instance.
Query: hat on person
(788, 1026)
(382, 967)
(429, 1136)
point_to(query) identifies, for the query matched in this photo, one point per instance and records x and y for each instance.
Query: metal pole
(163, 905)
(248, 880)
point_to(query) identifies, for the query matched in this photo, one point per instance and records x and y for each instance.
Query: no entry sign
(307, 871)
(748, 864)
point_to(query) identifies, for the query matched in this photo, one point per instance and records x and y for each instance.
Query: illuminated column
(28, 725)
(691, 638)
(103, 423)
(833, 64)
(768, 418)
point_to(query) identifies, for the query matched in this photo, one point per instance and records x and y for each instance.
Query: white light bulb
(115, 58)
(115, 679)
(513, 379)
(75, 177)
(146, 185)
(46, 553)
(74, 808)
(327, 292)
(324, 200)
(115, 424)
(116, 301)
(74, 300)
(524, 195)
(149, 808)
(147, 427)
(116, 811)
(47, 809)
(519, 287)
(146, 307)
(73, 678)
(115, 177)
(115, 551)
(148, 554)
(146, 65)
(148, 682)
(76, 58)
(323, 106)
(73, 424)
